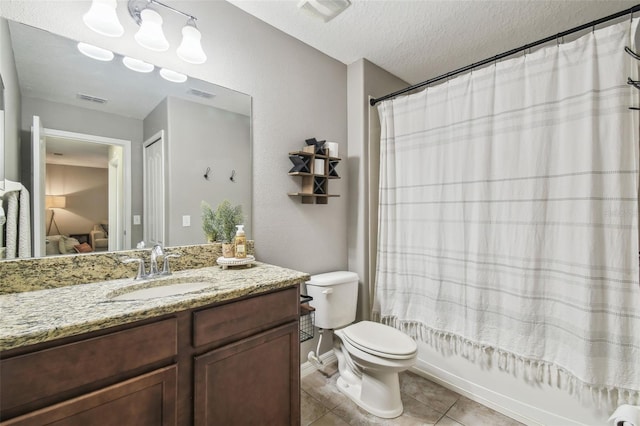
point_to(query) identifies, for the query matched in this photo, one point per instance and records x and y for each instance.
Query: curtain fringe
(532, 370)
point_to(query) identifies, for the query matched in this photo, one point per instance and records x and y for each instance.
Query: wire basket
(307, 319)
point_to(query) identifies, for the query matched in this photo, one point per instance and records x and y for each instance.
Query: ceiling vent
(91, 98)
(200, 93)
(324, 9)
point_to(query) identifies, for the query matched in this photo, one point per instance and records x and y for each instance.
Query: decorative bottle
(241, 242)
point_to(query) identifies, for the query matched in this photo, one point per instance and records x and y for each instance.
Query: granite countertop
(44, 315)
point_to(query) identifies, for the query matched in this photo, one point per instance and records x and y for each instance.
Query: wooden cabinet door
(149, 399)
(255, 381)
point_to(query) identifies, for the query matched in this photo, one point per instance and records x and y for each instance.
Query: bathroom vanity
(228, 354)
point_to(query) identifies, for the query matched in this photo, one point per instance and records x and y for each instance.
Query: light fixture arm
(137, 6)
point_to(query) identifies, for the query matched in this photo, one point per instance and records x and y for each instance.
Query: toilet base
(380, 399)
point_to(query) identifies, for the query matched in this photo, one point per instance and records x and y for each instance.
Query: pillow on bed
(53, 245)
(82, 248)
(66, 244)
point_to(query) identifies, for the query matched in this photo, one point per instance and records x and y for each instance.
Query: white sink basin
(162, 291)
(147, 290)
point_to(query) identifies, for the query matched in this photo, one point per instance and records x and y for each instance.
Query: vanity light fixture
(95, 52)
(102, 18)
(173, 76)
(137, 65)
(151, 36)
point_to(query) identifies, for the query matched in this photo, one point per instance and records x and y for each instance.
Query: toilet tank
(335, 298)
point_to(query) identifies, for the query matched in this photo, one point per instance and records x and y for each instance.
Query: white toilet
(370, 355)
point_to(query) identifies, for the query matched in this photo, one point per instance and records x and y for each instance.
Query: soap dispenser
(241, 242)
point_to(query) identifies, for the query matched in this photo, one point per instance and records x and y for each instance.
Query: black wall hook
(233, 176)
(206, 173)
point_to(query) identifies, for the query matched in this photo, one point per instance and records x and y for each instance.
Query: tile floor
(425, 403)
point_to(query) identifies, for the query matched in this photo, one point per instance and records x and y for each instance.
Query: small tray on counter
(230, 262)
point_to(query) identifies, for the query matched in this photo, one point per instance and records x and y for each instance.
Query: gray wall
(81, 120)
(86, 190)
(221, 141)
(297, 93)
(10, 167)
(365, 80)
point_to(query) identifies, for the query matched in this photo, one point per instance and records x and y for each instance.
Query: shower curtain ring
(633, 54)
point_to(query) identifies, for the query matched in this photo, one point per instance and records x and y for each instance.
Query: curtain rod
(505, 54)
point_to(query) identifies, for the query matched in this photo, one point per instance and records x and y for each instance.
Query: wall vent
(90, 98)
(200, 93)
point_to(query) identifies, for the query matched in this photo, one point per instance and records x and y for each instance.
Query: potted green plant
(209, 225)
(227, 217)
(221, 224)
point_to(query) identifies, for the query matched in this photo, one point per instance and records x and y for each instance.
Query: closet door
(154, 191)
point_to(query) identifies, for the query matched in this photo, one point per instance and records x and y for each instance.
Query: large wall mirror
(113, 156)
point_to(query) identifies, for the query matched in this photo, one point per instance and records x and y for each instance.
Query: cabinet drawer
(149, 399)
(31, 380)
(240, 319)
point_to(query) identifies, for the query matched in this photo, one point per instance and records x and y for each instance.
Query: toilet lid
(379, 339)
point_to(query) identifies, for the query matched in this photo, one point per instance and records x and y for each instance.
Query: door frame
(126, 184)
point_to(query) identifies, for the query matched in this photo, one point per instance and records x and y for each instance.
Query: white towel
(12, 224)
(24, 225)
(626, 415)
(18, 224)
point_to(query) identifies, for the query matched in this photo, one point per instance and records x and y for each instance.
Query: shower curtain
(508, 229)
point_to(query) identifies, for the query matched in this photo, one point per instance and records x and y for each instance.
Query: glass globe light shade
(102, 18)
(150, 34)
(190, 50)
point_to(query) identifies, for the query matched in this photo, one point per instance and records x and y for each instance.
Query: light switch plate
(136, 219)
(186, 220)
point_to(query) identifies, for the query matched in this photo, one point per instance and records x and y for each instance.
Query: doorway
(79, 152)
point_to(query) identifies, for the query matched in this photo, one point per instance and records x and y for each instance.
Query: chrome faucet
(155, 252)
(141, 272)
(166, 270)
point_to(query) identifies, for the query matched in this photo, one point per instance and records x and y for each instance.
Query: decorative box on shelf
(314, 165)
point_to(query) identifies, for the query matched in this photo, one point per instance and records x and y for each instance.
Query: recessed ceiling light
(173, 76)
(95, 52)
(137, 65)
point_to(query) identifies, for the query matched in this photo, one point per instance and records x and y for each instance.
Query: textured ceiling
(417, 40)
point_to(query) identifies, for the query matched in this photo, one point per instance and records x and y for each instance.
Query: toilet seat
(380, 340)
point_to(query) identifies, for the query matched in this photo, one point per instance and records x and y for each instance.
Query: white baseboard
(494, 400)
(308, 368)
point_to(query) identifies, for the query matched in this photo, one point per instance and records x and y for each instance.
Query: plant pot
(228, 250)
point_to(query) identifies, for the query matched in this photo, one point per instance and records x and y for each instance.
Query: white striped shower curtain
(508, 227)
